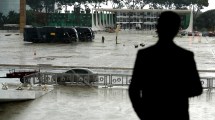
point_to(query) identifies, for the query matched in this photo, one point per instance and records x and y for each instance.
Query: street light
(117, 31)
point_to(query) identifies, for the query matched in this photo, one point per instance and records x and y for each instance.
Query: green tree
(39, 5)
(206, 20)
(31, 18)
(2, 20)
(65, 3)
(35, 5)
(12, 18)
(48, 5)
(160, 4)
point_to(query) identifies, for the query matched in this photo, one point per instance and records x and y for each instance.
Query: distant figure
(164, 76)
(103, 39)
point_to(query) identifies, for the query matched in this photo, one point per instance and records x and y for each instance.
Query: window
(80, 71)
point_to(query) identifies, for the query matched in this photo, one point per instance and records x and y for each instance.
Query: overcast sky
(211, 5)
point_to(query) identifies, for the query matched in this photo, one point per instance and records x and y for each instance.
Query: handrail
(106, 80)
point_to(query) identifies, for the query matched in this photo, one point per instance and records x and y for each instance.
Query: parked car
(196, 33)
(77, 75)
(183, 33)
(49, 34)
(211, 34)
(85, 33)
(190, 33)
(205, 33)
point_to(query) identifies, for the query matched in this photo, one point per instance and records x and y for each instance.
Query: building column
(112, 17)
(100, 20)
(97, 19)
(93, 21)
(109, 23)
(103, 18)
(22, 16)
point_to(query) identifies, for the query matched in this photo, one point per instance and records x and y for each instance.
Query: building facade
(144, 19)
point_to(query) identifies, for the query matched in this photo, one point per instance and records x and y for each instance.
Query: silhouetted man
(164, 76)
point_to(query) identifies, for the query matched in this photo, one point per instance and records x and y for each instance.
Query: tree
(206, 20)
(12, 18)
(65, 3)
(95, 3)
(35, 5)
(39, 5)
(2, 20)
(48, 5)
(178, 4)
(134, 4)
(31, 18)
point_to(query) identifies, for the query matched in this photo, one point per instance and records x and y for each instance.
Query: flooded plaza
(94, 103)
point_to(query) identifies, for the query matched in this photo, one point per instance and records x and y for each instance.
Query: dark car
(32, 34)
(211, 34)
(196, 33)
(205, 33)
(66, 34)
(77, 75)
(85, 33)
(49, 34)
(190, 33)
(183, 33)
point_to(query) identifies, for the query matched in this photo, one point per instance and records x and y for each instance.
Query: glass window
(80, 71)
(70, 71)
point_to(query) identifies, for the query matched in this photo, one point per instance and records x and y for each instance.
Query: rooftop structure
(141, 19)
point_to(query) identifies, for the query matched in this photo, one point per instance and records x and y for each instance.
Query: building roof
(140, 10)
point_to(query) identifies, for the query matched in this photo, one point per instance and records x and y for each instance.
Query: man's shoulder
(146, 50)
(149, 48)
(184, 51)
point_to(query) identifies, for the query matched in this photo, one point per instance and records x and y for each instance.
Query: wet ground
(97, 54)
(90, 103)
(86, 103)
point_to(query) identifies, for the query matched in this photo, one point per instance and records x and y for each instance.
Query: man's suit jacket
(164, 77)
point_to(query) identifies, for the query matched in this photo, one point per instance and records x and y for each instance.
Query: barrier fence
(105, 80)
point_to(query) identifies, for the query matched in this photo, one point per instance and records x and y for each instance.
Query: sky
(211, 5)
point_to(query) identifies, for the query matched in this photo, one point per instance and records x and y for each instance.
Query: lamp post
(117, 31)
(22, 17)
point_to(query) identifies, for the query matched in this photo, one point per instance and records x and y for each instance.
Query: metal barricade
(105, 80)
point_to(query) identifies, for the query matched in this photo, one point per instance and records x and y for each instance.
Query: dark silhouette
(164, 76)
(103, 39)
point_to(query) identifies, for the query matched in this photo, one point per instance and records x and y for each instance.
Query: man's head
(168, 24)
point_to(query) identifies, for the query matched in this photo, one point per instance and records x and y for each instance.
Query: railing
(105, 80)
(110, 80)
(208, 82)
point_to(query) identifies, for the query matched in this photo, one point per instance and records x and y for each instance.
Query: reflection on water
(73, 103)
(90, 103)
(202, 108)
